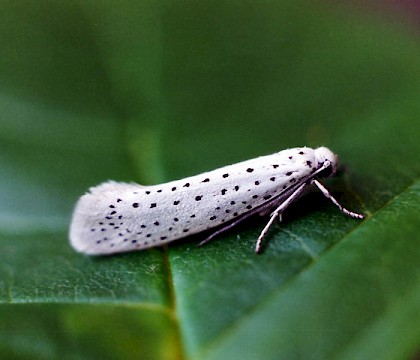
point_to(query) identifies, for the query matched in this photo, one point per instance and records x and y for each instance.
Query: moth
(118, 217)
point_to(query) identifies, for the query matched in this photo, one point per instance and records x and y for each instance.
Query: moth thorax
(323, 154)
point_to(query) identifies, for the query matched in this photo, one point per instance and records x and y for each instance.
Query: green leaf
(154, 91)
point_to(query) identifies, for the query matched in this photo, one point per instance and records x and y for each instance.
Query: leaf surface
(155, 91)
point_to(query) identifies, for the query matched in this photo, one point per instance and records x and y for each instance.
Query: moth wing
(93, 208)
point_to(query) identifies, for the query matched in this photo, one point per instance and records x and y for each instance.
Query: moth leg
(262, 211)
(266, 208)
(278, 213)
(222, 229)
(335, 202)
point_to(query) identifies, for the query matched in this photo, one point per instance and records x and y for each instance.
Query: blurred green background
(151, 91)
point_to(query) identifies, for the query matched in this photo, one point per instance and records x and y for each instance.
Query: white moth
(117, 217)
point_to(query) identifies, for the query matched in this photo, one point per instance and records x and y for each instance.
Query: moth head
(324, 156)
